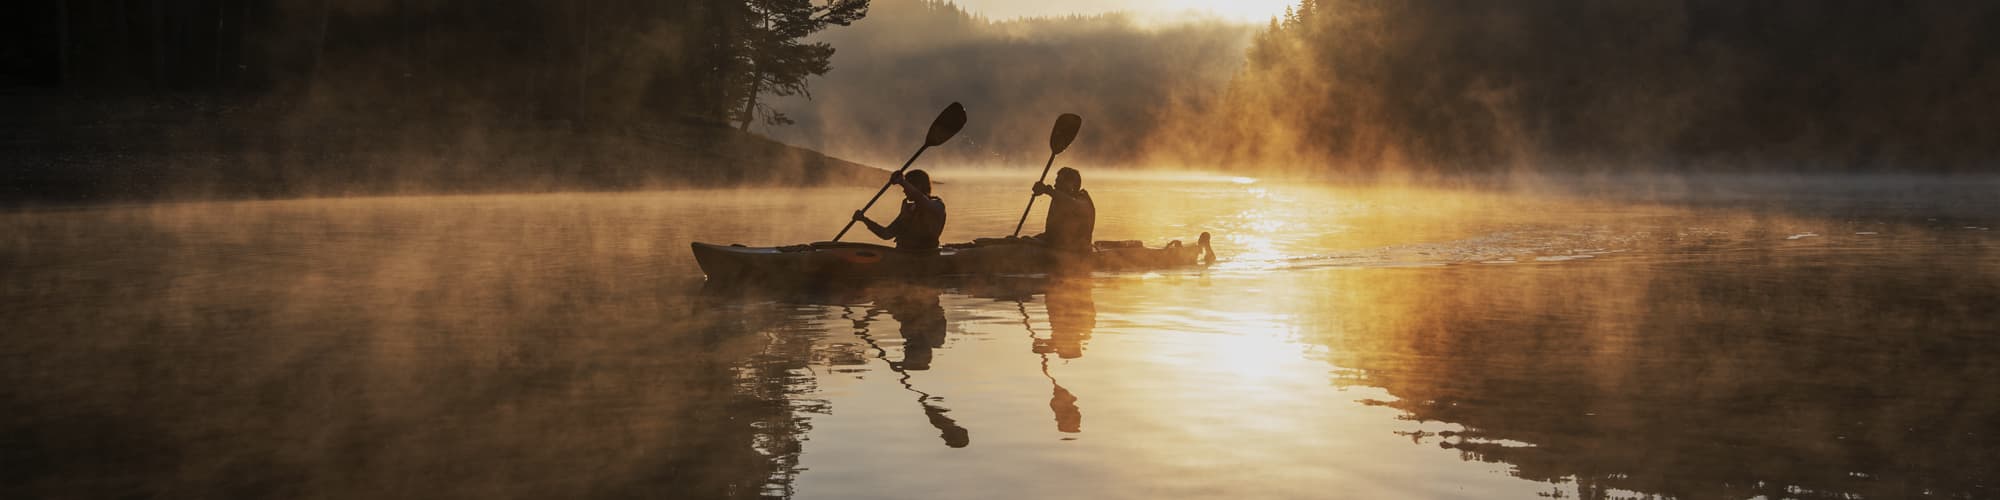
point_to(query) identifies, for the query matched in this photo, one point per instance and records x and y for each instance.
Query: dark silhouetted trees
(151, 99)
(1459, 85)
(582, 60)
(779, 61)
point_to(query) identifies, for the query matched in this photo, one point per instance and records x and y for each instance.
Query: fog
(1535, 87)
(240, 98)
(911, 57)
(1351, 89)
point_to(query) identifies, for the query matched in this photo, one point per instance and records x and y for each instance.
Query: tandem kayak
(840, 262)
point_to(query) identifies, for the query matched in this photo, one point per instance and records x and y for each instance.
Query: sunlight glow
(1263, 346)
(1249, 11)
(1237, 10)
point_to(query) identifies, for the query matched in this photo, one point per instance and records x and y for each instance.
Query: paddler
(921, 220)
(1072, 216)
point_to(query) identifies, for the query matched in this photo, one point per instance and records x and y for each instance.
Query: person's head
(1068, 179)
(920, 179)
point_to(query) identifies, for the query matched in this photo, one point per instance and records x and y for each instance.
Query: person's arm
(1052, 192)
(910, 190)
(879, 230)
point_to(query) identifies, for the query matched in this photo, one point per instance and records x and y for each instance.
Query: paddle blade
(946, 125)
(1065, 131)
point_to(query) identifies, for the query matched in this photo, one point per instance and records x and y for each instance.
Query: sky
(1256, 11)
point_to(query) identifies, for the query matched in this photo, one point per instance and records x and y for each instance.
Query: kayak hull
(832, 262)
(822, 262)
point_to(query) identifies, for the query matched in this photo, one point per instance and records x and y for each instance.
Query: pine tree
(778, 60)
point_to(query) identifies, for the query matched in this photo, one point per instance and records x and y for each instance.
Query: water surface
(1830, 340)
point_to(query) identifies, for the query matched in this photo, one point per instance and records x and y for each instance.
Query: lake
(1719, 338)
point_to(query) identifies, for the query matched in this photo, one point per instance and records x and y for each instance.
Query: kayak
(841, 262)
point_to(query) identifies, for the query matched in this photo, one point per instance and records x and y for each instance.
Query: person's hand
(860, 216)
(895, 177)
(1041, 189)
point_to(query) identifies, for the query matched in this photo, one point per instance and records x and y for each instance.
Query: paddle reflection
(920, 319)
(1072, 314)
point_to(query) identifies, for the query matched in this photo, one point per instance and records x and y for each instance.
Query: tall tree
(779, 60)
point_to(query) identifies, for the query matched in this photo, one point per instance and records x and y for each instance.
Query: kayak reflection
(920, 319)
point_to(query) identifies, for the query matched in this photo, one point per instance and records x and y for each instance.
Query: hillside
(59, 150)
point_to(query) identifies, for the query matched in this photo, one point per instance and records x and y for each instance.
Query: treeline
(914, 56)
(539, 59)
(1475, 86)
(274, 98)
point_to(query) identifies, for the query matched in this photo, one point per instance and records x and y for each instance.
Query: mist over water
(1693, 340)
(1524, 249)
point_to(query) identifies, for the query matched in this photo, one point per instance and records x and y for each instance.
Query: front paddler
(921, 220)
(1072, 216)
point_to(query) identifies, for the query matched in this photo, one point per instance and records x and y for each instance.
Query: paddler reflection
(920, 318)
(1072, 315)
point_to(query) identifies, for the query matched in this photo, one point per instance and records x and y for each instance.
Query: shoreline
(158, 151)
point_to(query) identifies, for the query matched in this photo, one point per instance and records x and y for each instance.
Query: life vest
(1070, 222)
(917, 229)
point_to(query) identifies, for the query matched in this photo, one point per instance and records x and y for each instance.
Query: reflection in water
(1834, 375)
(921, 320)
(550, 346)
(1071, 316)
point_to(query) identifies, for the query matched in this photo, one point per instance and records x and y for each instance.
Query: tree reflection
(1811, 377)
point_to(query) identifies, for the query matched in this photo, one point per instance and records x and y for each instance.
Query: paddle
(942, 128)
(1059, 139)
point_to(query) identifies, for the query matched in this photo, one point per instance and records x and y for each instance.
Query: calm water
(1836, 340)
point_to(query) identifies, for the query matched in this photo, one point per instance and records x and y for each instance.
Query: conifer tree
(777, 59)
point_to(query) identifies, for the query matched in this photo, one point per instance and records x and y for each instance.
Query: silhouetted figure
(1072, 216)
(917, 227)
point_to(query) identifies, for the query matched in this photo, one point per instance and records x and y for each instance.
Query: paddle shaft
(1031, 198)
(885, 189)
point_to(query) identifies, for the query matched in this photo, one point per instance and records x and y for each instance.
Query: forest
(1458, 86)
(588, 60)
(269, 98)
(281, 98)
